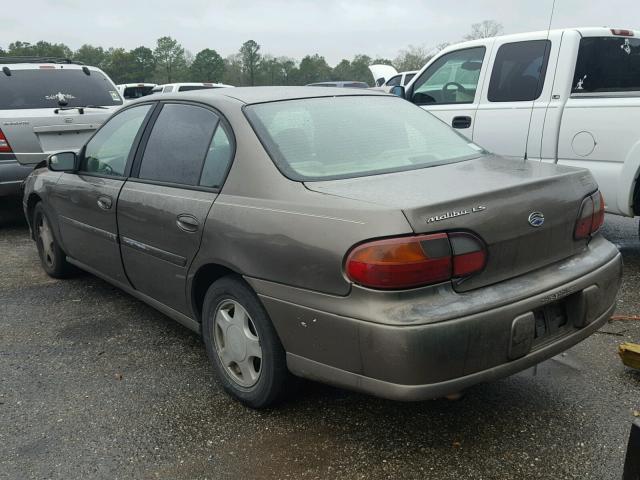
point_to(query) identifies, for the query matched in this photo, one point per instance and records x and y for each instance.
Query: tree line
(170, 62)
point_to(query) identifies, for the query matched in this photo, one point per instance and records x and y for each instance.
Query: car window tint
(342, 137)
(178, 144)
(107, 152)
(55, 87)
(408, 77)
(607, 64)
(188, 88)
(519, 71)
(393, 81)
(452, 78)
(217, 161)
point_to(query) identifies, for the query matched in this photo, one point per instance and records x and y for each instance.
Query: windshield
(55, 87)
(353, 136)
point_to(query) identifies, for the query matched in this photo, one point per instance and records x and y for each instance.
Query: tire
(245, 350)
(52, 257)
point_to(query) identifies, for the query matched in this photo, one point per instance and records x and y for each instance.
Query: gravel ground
(94, 383)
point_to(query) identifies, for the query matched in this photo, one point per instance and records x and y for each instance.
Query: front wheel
(52, 258)
(243, 345)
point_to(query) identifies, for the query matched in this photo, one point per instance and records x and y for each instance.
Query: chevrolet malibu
(303, 237)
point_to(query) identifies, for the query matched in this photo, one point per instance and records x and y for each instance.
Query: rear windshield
(136, 92)
(186, 88)
(354, 136)
(51, 88)
(607, 64)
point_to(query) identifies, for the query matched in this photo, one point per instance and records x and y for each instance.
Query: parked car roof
(269, 94)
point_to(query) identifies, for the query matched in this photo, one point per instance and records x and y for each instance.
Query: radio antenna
(533, 102)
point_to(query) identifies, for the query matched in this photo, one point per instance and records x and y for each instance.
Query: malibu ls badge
(456, 213)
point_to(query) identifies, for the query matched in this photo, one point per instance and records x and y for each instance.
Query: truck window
(607, 64)
(452, 78)
(519, 71)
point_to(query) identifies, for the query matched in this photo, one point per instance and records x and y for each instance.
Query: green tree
(121, 66)
(40, 49)
(232, 70)
(313, 68)
(250, 55)
(170, 59)
(207, 66)
(413, 58)
(289, 70)
(90, 55)
(145, 64)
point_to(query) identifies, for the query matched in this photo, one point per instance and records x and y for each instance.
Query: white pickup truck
(569, 96)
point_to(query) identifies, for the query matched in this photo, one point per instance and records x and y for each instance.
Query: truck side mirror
(62, 162)
(398, 91)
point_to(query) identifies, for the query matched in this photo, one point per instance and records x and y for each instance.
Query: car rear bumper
(432, 359)
(12, 174)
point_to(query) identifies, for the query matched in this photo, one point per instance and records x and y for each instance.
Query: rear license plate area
(550, 321)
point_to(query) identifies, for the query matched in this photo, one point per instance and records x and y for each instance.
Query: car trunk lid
(492, 197)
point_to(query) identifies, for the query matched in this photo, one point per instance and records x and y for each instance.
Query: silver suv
(46, 105)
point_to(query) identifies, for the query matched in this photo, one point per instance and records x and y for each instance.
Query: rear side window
(178, 144)
(218, 159)
(519, 71)
(55, 87)
(607, 64)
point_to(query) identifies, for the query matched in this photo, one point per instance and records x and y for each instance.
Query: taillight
(591, 216)
(408, 262)
(4, 144)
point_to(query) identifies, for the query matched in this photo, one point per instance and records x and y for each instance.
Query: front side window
(452, 78)
(519, 71)
(342, 137)
(607, 64)
(408, 77)
(393, 81)
(55, 87)
(108, 150)
(178, 144)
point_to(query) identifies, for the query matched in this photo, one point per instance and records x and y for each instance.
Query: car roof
(272, 94)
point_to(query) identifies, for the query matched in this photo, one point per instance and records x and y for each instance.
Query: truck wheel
(52, 258)
(242, 344)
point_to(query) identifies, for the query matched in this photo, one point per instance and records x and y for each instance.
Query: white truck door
(599, 128)
(449, 86)
(512, 104)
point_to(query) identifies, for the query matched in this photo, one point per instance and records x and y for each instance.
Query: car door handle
(105, 202)
(461, 122)
(187, 223)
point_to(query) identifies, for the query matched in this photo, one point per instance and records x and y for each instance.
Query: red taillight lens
(598, 212)
(622, 32)
(4, 144)
(591, 216)
(415, 261)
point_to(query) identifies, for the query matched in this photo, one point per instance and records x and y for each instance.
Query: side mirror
(398, 91)
(62, 162)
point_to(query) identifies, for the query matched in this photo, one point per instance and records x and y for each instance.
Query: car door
(512, 105)
(450, 87)
(162, 209)
(85, 201)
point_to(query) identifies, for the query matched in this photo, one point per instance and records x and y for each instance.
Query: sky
(335, 29)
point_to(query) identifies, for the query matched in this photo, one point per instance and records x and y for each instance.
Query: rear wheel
(52, 258)
(242, 344)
